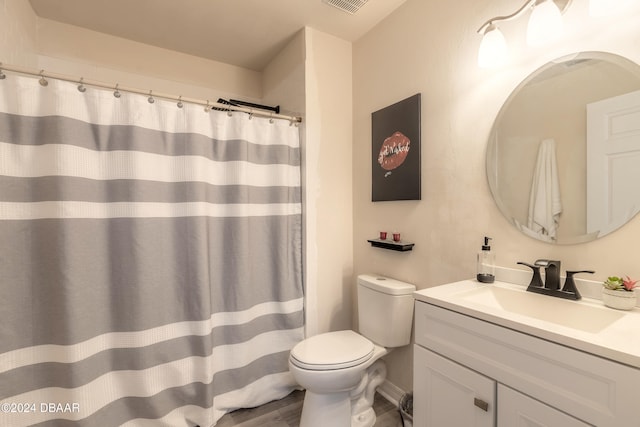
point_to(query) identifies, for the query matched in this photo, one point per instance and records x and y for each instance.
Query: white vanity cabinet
(470, 372)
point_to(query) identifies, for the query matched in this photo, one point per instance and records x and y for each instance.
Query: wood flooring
(286, 413)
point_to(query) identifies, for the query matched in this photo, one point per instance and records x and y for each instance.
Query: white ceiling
(245, 33)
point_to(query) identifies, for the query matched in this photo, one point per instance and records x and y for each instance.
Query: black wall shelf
(391, 245)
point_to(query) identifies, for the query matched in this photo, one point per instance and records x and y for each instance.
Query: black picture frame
(395, 151)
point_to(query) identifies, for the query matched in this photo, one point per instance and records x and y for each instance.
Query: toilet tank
(385, 310)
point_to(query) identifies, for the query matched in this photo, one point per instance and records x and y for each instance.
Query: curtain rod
(151, 94)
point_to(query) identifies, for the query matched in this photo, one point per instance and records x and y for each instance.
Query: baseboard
(391, 392)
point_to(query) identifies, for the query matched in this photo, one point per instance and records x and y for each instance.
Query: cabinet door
(447, 394)
(517, 410)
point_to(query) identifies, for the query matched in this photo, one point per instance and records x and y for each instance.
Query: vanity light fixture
(545, 25)
(493, 48)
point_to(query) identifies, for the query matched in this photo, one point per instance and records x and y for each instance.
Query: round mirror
(563, 159)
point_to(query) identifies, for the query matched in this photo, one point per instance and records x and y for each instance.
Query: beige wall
(329, 194)
(431, 48)
(315, 68)
(74, 50)
(283, 80)
(32, 42)
(18, 33)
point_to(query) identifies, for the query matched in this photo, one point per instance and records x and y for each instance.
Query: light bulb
(493, 48)
(545, 24)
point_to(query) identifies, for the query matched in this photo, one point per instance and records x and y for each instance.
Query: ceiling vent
(349, 6)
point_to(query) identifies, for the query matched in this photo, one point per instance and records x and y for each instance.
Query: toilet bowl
(331, 362)
(340, 370)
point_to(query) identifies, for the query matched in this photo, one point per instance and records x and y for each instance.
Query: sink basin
(582, 316)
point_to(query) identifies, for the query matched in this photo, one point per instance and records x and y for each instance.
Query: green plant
(619, 284)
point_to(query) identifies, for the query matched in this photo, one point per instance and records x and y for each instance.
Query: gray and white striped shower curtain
(150, 259)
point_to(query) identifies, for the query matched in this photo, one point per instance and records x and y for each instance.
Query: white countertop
(586, 325)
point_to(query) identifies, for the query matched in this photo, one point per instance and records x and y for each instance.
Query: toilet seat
(331, 351)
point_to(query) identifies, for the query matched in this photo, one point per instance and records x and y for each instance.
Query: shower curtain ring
(43, 81)
(250, 114)
(81, 87)
(207, 108)
(150, 98)
(116, 92)
(2, 74)
(271, 118)
(180, 104)
(229, 113)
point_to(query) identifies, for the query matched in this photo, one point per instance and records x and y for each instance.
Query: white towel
(545, 206)
(527, 231)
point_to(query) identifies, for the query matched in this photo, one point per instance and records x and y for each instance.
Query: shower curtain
(150, 258)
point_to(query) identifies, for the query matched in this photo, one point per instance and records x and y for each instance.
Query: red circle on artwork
(394, 151)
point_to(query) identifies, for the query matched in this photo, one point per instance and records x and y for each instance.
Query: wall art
(395, 151)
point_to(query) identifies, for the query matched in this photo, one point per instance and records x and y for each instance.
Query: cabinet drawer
(450, 394)
(596, 390)
(516, 409)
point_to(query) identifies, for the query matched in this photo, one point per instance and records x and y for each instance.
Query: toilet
(341, 370)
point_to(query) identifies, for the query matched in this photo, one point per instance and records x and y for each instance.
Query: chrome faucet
(551, 284)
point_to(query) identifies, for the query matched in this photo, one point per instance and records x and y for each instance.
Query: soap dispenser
(486, 263)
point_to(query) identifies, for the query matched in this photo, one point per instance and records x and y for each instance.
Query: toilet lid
(332, 350)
